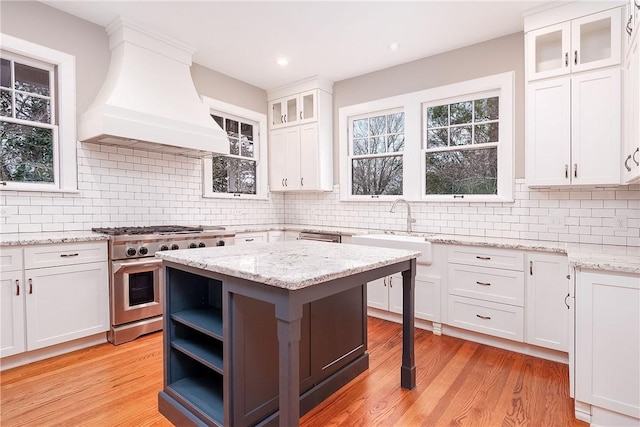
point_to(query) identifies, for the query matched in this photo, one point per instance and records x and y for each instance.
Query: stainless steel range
(136, 277)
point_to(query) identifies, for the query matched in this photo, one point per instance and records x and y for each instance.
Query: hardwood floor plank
(459, 383)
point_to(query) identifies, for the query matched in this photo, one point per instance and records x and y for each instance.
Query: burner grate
(153, 229)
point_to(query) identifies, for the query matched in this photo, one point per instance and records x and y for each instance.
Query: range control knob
(143, 250)
(174, 247)
(131, 251)
(220, 243)
(192, 245)
(201, 245)
(164, 248)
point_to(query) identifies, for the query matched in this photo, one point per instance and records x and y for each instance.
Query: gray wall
(479, 60)
(47, 26)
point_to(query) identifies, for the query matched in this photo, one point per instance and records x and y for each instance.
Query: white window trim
(412, 104)
(65, 156)
(260, 148)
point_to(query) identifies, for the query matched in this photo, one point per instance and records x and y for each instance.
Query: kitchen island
(225, 306)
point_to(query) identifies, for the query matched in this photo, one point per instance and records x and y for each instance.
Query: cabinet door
(547, 315)
(308, 106)
(284, 159)
(12, 334)
(596, 40)
(309, 161)
(548, 132)
(66, 303)
(378, 294)
(427, 298)
(596, 128)
(244, 238)
(631, 153)
(608, 341)
(395, 293)
(548, 51)
(284, 112)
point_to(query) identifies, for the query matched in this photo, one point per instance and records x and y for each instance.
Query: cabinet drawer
(500, 320)
(10, 259)
(492, 284)
(39, 256)
(242, 238)
(487, 257)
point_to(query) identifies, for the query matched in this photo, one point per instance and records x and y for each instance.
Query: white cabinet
(585, 43)
(62, 294)
(631, 151)
(486, 291)
(573, 133)
(301, 149)
(631, 22)
(386, 293)
(294, 109)
(251, 237)
(546, 309)
(12, 337)
(607, 347)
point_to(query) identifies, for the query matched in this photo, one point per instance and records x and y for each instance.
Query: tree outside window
(376, 154)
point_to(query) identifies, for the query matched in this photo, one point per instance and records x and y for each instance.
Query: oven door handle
(128, 264)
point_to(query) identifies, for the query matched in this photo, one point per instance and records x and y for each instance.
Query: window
(37, 117)
(375, 153)
(449, 143)
(461, 140)
(241, 173)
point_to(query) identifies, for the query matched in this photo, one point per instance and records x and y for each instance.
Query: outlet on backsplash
(557, 221)
(620, 223)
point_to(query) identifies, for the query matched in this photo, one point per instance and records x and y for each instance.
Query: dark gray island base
(240, 349)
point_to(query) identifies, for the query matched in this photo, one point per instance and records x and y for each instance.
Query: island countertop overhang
(290, 265)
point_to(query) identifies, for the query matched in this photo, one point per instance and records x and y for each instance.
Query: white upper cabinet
(631, 151)
(293, 110)
(585, 43)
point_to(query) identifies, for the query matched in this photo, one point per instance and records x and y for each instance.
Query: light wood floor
(459, 383)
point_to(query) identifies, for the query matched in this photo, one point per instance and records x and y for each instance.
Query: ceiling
(332, 39)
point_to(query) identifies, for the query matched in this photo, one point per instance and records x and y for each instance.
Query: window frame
(63, 114)
(415, 128)
(218, 107)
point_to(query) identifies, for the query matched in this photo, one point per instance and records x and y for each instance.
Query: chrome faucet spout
(409, 219)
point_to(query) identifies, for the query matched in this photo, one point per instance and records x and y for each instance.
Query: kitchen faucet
(409, 219)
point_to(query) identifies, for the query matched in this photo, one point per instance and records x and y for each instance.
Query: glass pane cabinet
(293, 110)
(586, 43)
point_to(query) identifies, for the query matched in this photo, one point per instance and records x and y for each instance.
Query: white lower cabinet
(12, 336)
(66, 303)
(607, 348)
(252, 237)
(51, 305)
(386, 293)
(547, 310)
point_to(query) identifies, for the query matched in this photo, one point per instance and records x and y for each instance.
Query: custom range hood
(148, 100)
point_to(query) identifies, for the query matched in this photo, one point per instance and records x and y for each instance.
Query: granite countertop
(291, 265)
(18, 239)
(625, 259)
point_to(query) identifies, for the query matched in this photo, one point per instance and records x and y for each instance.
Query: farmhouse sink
(397, 241)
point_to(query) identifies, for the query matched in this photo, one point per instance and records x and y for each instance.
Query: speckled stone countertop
(18, 239)
(291, 265)
(625, 259)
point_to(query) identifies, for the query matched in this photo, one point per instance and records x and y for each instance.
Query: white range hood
(148, 100)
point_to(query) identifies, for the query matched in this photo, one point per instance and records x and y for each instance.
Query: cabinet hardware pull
(575, 57)
(568, 276)
(629, 29)
(566, 59)
(634, 156)
(483, 283)
(627, 167)
(530, 268)
(483, 317)
(300, 115)
(575, 170)
(486, 258)
(17, 287)
(565, 301)
(385, 282)
(30, 286)
(282, 118)
(68, 255)
(3, 182)
(566, 171)
(285, 118)
(283, 182)
(302, 182)
(637, 4)
(286, 182)
(248, 240)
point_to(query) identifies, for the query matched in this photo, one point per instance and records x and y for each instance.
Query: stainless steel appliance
(136, 282)
(320, 237)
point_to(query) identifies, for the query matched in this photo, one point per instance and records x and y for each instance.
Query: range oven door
(136, 291)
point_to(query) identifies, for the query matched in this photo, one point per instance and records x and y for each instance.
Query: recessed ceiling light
(393, 46)
(282, 61)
